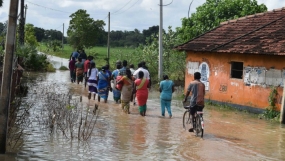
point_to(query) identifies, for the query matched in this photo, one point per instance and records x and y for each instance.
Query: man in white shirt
(140, 68)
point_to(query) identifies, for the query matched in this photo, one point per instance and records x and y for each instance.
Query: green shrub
(63, 68)
(271, 111)
(50, 68)
(31, 59)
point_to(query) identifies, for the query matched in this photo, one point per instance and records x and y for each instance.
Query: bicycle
(198, 120)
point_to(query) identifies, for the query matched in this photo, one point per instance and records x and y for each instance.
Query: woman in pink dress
(142, 92)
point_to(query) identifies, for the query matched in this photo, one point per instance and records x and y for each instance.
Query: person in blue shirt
(166, 89)
(122, 71)
(74, 54)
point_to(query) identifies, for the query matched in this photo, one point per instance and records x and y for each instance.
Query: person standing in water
(92, 80)
(71, 67)
(116, 92)
(127, 91)
(166, 89)
(141, 85)
(103, 84)
(79, 67)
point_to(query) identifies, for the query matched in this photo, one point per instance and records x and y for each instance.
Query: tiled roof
(262, 33)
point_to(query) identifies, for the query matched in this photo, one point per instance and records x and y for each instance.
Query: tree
(1, 3)
(30, 38)
(150, 31)
(83, 31)
(39, 33)
(173, 63)
(213, 12)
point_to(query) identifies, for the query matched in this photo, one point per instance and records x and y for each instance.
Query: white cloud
(125, 14)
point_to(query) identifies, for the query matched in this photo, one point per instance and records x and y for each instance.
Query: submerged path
(229, 135)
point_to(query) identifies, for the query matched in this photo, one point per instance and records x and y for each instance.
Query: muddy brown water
(229, 135)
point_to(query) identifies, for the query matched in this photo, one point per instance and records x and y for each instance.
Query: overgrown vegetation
(221, 106)
(30, 59)
(63, 68)
(63, 114)
(50, 68)
(271, 111)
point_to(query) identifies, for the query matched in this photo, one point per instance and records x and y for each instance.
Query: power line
(52, 8)
(128, 8)
(122, 7)
(58, 27)
(48, 7)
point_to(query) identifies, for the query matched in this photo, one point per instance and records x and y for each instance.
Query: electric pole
(26, 7)
(7, 73)
(108, 45)
(160, 62)
(62, 34)
(22, 24)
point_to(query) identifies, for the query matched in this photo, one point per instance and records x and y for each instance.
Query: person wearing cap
(103, 84)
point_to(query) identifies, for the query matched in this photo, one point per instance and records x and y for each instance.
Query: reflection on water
(228, 135)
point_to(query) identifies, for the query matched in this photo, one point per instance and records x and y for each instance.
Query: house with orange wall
(241, 60)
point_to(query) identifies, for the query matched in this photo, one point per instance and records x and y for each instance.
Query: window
(236, 70)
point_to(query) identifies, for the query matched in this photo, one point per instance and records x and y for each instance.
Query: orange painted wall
(237, 92)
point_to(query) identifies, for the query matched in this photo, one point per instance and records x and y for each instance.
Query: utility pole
(26, 7)
(22, 24)
(282, 110)
(62, 34)
(7, 73)
(160, 62)
(108, 43)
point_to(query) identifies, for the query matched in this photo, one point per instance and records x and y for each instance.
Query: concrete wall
(260, 72)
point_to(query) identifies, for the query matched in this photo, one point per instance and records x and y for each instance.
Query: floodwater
(229, 135)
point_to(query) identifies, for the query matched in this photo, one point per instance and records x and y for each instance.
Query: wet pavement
(229, 135)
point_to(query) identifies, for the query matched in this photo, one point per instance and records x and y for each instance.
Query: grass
(99, 53)
(50, 68)
(63, 68)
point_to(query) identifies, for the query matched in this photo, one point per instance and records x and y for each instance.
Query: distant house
(240, 60)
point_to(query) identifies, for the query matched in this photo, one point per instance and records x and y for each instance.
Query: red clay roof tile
(262, 33)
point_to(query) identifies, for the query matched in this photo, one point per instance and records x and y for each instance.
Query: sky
(125, 14)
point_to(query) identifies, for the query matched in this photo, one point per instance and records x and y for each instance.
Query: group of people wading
(129, 85)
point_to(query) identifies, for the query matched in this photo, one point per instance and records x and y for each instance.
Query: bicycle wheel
(198, 129)
(186, 120)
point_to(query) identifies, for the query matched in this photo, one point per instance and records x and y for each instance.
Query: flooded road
(229, 135)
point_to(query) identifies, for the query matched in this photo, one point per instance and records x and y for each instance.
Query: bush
(63, 68)
(31, 59)
(50, 68)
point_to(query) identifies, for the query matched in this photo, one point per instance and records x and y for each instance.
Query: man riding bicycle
(197, 90)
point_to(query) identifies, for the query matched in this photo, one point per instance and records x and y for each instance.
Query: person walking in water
(166, 89)
(116, 92)
(92, 80)
(127, 91)
(103, 84)
(142, 92)
(79, 67)
(86, 67)
(71, 67)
